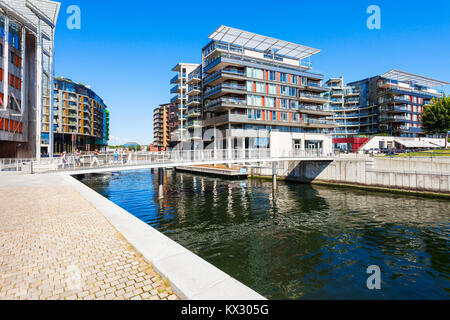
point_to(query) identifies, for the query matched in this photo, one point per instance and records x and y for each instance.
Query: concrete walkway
(55, 245)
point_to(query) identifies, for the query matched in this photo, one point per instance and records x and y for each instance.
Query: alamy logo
(374, 281)
(374, 20)
(74, 20)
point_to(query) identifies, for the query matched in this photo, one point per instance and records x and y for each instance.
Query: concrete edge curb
(191, 277)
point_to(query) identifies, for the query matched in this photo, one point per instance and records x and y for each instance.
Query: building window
(269, 102)
(284, 103)
(254, 101)
(260, 87)
(255, 73)
(272, 89)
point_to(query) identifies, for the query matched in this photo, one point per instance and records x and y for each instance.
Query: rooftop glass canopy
(26, 12)
(409, 77)
(254, 41)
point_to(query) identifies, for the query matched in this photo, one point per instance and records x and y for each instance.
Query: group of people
(121, 152)
(77, 155)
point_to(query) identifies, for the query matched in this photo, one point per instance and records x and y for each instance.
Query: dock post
(274, 175)
(161, 182)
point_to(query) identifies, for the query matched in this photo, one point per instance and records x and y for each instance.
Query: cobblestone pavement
(55, 245)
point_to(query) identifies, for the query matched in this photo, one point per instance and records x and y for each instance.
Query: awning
(409, 77)
(258, 42)
(415, 144)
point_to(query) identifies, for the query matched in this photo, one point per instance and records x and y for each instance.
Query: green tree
(436, 118)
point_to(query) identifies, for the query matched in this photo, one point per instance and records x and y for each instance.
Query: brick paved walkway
(55, 245)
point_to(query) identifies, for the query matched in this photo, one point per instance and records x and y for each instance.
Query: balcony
(175, 79)
(408, 90)
(193, 101)
(226, 59)
(194, 78)
(223, 75)
(194, 90)
(194, 113)
(225, 88)
(315, 86)
(319, 123)
(225, 103)
(317, 110)
(176, 89)
(194, 124)
(314, 98)
(395, 119)
(243, 118)
(395, 109)
(352, 101)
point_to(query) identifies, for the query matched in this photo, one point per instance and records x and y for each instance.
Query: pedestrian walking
(116, 157)
(95, 159)
(78, 158)
(64, 159)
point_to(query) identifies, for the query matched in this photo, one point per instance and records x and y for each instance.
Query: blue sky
(125, 50)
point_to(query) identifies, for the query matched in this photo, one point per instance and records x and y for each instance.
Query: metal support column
(6, 66)
(161, 183)
(52, 103)
(274, 175)
(38, 103)
(22, 73)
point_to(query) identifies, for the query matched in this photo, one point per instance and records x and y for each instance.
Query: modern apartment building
(395, 102)
(194, 108)
(350, 117)
(26, 73)
(254, 85)
(80, 119)
(161, 128)
(181, 99)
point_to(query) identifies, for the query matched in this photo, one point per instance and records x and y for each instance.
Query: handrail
(74, 163)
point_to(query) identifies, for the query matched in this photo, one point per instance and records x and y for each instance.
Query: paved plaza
(55, 245)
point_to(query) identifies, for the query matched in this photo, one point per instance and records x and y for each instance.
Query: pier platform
(221, 171)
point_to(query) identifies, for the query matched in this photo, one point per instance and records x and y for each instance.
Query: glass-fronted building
(254, 85)
(80, 119)
(26, 73)
(396, 100)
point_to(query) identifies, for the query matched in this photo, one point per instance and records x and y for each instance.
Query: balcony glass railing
(192, 100)
(195, 76)
(219, 73)
(312, 96)
(386, 85)
(174, 79)
(210, 63)
(212, 103)
(313, 108)
(314, 84)
(194, 88)
(225, 86)
(317, 121)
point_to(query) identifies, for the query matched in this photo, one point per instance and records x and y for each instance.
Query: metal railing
(133, 160)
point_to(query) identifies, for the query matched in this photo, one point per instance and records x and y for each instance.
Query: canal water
(304, 242)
